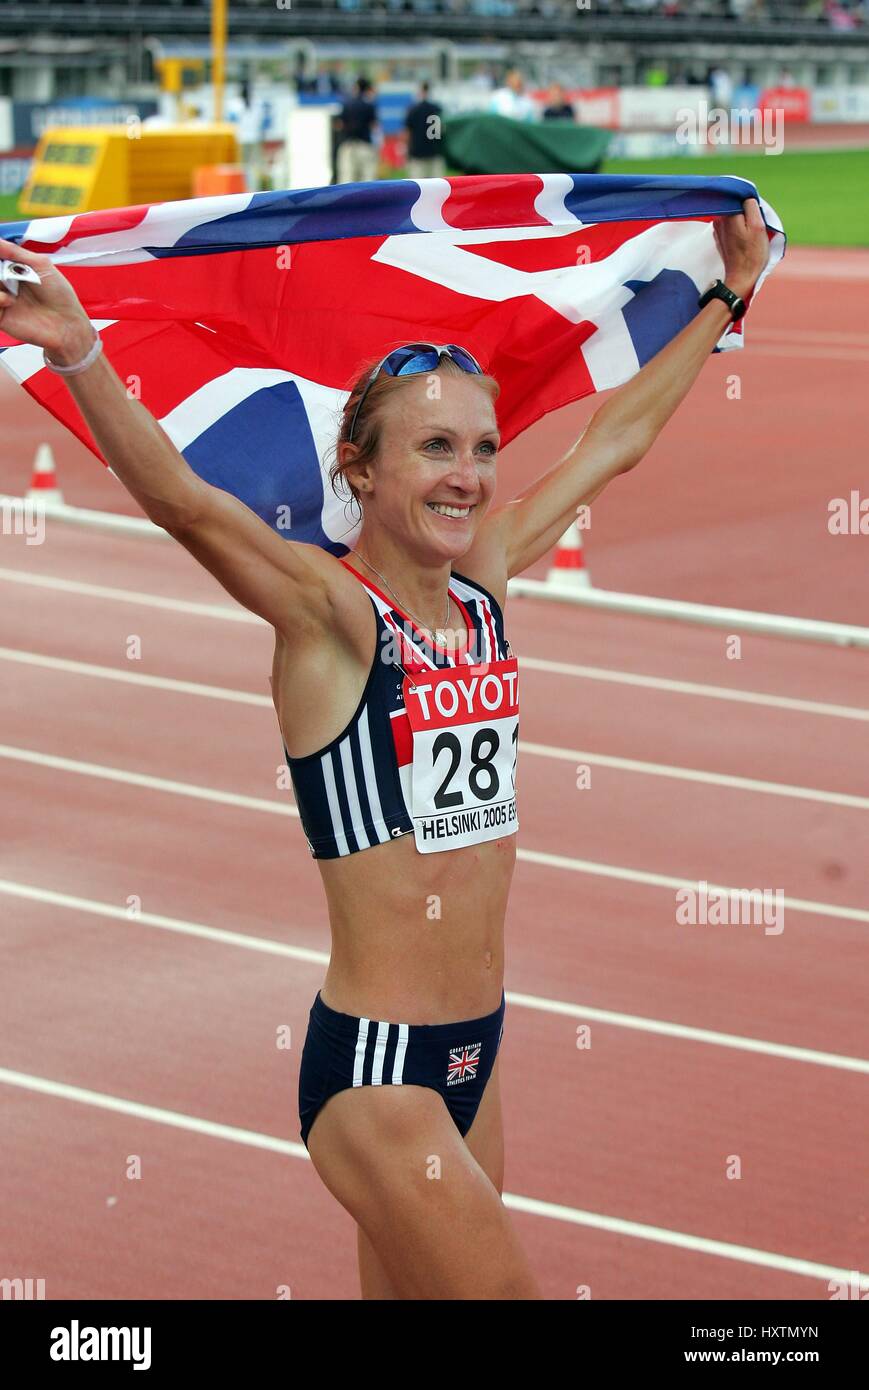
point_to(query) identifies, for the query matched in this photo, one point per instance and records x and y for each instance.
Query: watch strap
(719, 290)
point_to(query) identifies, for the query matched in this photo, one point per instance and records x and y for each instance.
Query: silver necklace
(440, 632)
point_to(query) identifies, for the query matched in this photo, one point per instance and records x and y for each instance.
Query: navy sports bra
(355, 792)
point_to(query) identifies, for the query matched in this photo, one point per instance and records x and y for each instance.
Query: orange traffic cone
(568, 569)
(43, 484)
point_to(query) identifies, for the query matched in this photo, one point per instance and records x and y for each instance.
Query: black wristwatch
(720, 291)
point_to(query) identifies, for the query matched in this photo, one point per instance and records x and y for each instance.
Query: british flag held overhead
(463, 1063)
(243, 320)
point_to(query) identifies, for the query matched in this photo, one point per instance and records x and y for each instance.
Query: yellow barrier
(78, 169)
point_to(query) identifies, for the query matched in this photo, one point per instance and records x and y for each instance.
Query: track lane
(151, 1012)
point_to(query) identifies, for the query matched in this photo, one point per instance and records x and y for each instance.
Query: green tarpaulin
(484, 144)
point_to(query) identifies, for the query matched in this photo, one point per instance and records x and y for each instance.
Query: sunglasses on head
(414, 358)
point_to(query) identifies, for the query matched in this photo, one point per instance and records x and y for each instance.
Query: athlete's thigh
(485, 1138)
(393, 1157)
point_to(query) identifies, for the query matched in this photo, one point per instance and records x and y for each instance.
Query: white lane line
(589, 866)
(173, 605)
(831, 270)
(700, 1245)
(840, 337)
(663, 1028)
(537, 750)
(710, 692)
(688, 774)
(94, 908)
(531, 1206)
(119, 1106)
(534, 1002)
(142, 779)
(830, 354)
(532, 663)
(112, 673)
(554, 861)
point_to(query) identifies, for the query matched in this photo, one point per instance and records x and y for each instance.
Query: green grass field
(822, 198)
(9, 207)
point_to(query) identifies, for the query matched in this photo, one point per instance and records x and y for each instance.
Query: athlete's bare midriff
(416, 938)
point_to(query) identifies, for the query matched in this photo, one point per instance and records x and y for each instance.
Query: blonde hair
(369, 423)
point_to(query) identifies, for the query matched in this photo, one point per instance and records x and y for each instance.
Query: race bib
(465, 727)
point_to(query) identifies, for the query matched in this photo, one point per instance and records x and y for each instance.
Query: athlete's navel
(488, 960)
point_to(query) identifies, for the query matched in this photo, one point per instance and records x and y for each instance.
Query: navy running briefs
(455, 1059)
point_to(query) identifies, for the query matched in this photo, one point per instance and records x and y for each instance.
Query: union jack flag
(463, 1063)
(241, 322)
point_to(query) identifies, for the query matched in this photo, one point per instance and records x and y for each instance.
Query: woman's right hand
(743, 244)
(49, 314)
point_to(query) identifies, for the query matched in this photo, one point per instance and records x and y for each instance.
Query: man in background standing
(359, 136)
(720, 87)
(557, 108)
(512, 99)
(424, 137)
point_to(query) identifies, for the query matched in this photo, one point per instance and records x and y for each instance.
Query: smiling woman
(397, 696)
(402, 446)
(367, 404)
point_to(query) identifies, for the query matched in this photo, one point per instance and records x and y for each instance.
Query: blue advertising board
(31, 118)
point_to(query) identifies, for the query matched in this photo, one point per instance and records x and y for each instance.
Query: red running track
(150, 784)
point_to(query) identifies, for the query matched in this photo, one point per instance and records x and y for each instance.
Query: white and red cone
(568, 569)
(43, 483)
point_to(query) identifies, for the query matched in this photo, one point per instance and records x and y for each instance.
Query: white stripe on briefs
(359, 1059)
(379, 1054)
(401, 1048)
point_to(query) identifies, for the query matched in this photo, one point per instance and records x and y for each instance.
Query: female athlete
(397, 698)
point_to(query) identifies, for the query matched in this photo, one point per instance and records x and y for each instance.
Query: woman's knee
(374, 1282)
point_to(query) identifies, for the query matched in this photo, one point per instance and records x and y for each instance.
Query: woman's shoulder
(485, 566)
(475, 587)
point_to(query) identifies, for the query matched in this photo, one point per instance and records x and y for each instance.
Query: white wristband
(76, 367)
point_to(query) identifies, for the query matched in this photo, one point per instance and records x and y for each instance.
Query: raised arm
(290, 585)
(623, 430)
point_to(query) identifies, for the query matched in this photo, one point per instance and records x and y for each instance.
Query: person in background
(720, 87)
(512, 100)
(424, 137)
(326, 83)
(557, 107)
(301, 83)
(359, 136)
(655, 76)
(248, 117)
(334, 83)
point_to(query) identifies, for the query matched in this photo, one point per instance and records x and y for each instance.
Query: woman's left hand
(743, 245)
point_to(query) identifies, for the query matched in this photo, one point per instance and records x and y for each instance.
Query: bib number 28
(483, 780)
(465, 727)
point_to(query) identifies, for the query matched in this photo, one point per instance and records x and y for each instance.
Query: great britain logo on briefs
(463, 1063)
